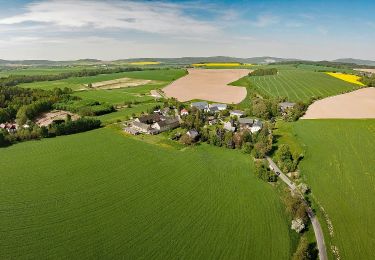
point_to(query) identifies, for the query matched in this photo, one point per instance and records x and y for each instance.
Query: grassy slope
(166, 75)
(106, 195)
(339, 166)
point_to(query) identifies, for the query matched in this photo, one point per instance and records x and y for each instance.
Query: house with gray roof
(286, 105)
(200, 105)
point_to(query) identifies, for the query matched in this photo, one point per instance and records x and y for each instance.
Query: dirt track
(357, 104)
(208, 84)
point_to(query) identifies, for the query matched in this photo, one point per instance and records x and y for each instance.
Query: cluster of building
(9, 127)
(12, 127)
(155, 123)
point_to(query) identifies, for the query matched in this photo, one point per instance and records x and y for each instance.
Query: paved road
(314, 220)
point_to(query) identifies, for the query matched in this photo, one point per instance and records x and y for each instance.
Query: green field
(76, 83)
(339, 166)
(296, 84)
(110, 196)
(42, 70)
(119, 96)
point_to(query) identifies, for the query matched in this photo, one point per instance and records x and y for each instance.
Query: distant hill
(356, 61)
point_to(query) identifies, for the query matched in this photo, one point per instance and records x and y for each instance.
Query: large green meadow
(339, 165)
(102, 194)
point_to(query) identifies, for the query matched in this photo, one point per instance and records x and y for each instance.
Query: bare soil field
(366, 70)
(356, 104)
(47, 118)
(208, 84)
(120, 83)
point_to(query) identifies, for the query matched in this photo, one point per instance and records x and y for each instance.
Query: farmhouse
(237, 113)
(245, 123)
(168, 124)
(149, 119)
(219, 107)
(141, 127)
(200, 105)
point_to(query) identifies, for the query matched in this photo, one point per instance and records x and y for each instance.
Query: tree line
(263, 72)
(14, 80)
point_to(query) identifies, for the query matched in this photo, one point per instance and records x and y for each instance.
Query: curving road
(314, 220)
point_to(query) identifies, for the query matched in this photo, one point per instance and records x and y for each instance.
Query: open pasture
(143, 63)
(356, 104)
(300, 85)
(339, 167)
(110, 196)
(41, 70)
(208, 84)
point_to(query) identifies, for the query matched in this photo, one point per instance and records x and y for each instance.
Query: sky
(118, 29)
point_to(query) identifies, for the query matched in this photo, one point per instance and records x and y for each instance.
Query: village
(212, 115)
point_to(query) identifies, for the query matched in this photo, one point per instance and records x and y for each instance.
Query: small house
(219, 107)
(192, 133)
(286, 105)
(257, 126)
(229, 126)
(200, 105)
(237, 113)
(245, 123)
(184, 112)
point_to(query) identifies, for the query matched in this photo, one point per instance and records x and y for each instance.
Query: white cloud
(151, 17)
(265, 20)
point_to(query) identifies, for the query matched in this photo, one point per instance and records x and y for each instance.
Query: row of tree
(263, 72)
(64, 127)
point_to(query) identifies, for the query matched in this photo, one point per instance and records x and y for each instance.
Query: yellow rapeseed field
(218, 64)
(346, 77)
(141, 63)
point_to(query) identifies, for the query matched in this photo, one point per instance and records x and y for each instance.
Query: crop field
(111, 196)
(347, 77)
(208, 84)
(300, 85)
(143, 63)
(356, 104)
(339, 167)
(76, 83)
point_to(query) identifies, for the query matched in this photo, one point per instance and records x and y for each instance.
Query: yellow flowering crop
(347, 77)
(144, 63)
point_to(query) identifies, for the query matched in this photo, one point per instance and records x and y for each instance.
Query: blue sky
(114, 29)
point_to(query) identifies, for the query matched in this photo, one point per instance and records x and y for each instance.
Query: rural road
(314, 220)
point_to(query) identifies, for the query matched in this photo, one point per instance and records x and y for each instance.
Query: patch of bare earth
(366, 70)
(208, 84)
(120, 83)
(47, 118)
(356, 104)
